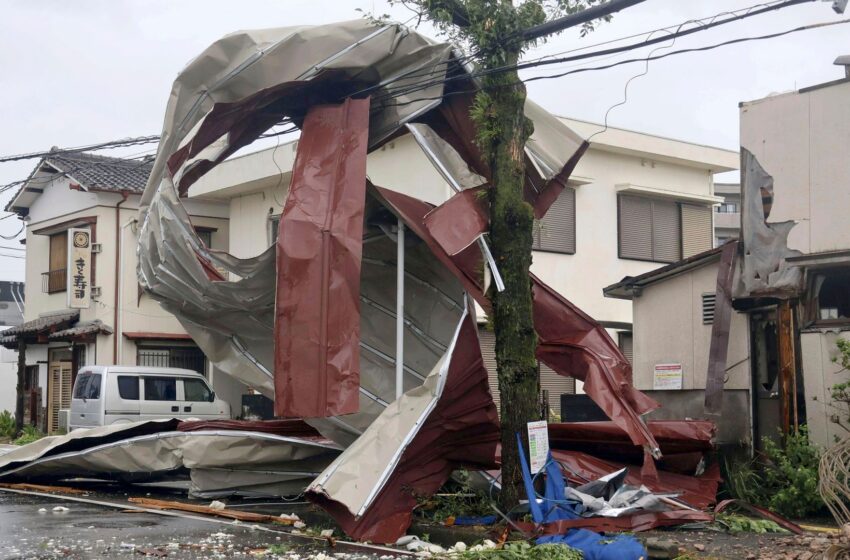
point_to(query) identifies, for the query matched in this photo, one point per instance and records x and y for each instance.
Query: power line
(643, 59)
(4, 247)
(89, 148)
(763, 8)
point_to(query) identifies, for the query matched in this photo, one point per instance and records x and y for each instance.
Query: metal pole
(399, 310)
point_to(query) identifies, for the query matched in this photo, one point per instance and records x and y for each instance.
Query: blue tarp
(554, 506)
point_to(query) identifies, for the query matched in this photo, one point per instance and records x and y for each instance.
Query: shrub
(784, 479)
(28, 435)
(7, 424)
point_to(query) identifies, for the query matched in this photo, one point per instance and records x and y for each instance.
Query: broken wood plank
(245, 516)
(43, 488)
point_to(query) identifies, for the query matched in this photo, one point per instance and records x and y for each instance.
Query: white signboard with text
(79, 268)
(667, 377)
(538, 445)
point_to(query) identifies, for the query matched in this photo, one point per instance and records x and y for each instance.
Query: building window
(831, 296)
(650, 230)
(184, 357)
(55, 279)
(274, 224)
(727, 208)
(556, 232)
(205, 235)
(662, 230)
(625, 342)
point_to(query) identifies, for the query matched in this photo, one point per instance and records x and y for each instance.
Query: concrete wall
(8, 377)
(801, 139)
(669, 329)
(820, 373)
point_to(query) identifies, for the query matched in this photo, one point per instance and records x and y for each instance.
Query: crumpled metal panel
(570, 342)
(317, 318)
(130, 454)
(683, 442)
(696, 491)
(448, 422)
(765, 244)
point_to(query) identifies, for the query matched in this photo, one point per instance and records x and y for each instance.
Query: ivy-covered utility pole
(498, 31)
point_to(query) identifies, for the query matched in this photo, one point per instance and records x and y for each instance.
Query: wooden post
(787, 365)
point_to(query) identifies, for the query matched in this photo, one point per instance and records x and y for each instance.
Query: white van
(105, 395)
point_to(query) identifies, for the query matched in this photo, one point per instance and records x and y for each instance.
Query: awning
(143, 335)
(40, 327)
(81, 330)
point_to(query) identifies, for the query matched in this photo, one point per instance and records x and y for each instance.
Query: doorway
(59, 384)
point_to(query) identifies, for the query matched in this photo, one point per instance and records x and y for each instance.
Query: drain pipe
(118, 257)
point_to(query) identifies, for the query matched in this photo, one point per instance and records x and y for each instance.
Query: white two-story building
(636, 202)
(119, 325)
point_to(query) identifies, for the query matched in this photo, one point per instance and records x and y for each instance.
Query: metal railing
(54, 281)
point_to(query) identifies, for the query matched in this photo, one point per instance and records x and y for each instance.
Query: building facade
(635, 202)
(791, 284)
(727, 217)
(118, 324)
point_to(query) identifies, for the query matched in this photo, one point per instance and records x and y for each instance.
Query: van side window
(160, 389)
(128, 387)
(81, 386)
(196, 390)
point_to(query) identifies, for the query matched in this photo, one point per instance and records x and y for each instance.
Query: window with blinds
(549, 379)
(697, 231)
(624, 341)
(556, 232)
(662, 230)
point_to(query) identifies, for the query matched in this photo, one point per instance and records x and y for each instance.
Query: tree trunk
(22, 371)
(511, 223)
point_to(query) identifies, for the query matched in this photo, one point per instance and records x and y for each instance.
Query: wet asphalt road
(89, 531)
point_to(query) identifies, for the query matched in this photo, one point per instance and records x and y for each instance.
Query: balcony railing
(54, 281)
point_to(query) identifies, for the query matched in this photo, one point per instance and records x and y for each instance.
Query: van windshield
(196, 390)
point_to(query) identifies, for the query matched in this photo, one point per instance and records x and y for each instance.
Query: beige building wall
(801, 139)
(821, 373)
(669, 329)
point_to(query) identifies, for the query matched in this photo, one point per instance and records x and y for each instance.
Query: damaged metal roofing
(312, 321)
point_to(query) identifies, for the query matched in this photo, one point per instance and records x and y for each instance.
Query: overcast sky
(93, 70)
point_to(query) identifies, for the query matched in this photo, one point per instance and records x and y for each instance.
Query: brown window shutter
(488, 352)
(556, 232)
(666, 231)
(556, 385)
(635, 216)
(696, 229)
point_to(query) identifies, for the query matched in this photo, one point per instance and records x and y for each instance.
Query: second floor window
(728, 208)
(662, 231)
(57, 272)
(556, 232)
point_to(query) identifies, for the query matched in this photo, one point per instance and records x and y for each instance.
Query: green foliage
(457, 499)
(840, 392)
(735, 523)
(28, 435)
(7, 424)
(524, 551)
(784, 479)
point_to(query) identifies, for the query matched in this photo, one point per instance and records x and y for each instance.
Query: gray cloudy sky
(93, 70)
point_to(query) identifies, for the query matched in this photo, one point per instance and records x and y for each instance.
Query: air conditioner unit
(64, 416)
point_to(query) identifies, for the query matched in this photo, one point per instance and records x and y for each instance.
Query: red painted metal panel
(461, 432)
(319, 246)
